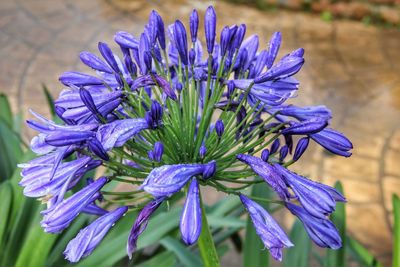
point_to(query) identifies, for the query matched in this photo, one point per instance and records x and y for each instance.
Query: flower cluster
(169, 114)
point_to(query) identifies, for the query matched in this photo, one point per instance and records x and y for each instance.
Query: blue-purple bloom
(90, 237)
(57, 218)
(321, 230)
(271, 234)
(140, 225)
(147, 115)
(190, 223)
(169, 179)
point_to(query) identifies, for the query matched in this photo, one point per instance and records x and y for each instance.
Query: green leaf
(228, 221)
(396, 232)
(36, 246)
(298, 255)
(50, 100)
(337, 258)
(361, 254)
(5, 111)
(6, 196)
(254, 253)
(164, 259)
(184, 255)
(11, 151)
(206, 244)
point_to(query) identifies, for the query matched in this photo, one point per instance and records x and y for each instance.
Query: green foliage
(396, 228)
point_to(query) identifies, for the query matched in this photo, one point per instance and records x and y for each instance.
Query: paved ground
(351, 68)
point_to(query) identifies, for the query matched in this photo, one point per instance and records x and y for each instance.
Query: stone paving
(349, 67)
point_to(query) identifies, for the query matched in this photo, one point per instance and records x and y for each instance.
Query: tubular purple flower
(169, 179)
(117, 133)
(239, 36)
(79, 79)
(225, 40)
(275, 146)
(181, 41)
(140, 225)
(94, 62)
(210, 24)
(192, 56)
(321, 230)
(190, 223)
(306, 113)
(144, 46)
(158, 151)
(165, 86)
(97, 148)
(283, 152)
(219, 128)
(87, 99)
(301, 147)
(250, 45)
(66, 138)
(108, 55)
(259, 64)
(160, 30)
(268, 173)
(273, 48)
(286, 67)
(90, 237)
(315, 197)
(271, 234)
(60, 216)
(202, 151)
(126, 40)
(93, 209)
(333, 141)
(309, 126)
(154, 115)
(265, 155)
(194, 25)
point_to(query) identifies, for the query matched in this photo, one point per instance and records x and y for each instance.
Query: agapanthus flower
(174, 114)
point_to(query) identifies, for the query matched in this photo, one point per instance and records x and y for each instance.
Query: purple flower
(37, 178)
(79, 79)
(126, 40)
(190, 223)
(265, 155)
(286, 67)
(321, 230)
(169, 179)
(194, 25)
(90, 237)
(300, 148)
(153, 117)
(268, 173)
(306, 113)
(58, 217)
(225, 40)
(94, 62)
(108, 55)
(275, 146)
(219, 128)
(140, 225)
(117, 133)
(202, 151)
(210, 24)
(97, 148)
(283, 152)
(239, 36)
(158, 151)
(271, 234)
(273, 48)
(318, 199)
(309, 126)
(181, 41)
(333, 141)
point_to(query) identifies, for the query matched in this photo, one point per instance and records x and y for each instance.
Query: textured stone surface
(351, 68)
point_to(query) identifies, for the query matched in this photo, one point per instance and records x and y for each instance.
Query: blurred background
(352, 55)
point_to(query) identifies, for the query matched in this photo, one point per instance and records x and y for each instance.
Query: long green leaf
(184, 255)
(11, 151)
(396, 232)
(298, 255)
(206, 244)
(337, 258)
(37, 245)
(164, 259)
(5, 110)
(6, 196)
(361, 254)
(254, 252)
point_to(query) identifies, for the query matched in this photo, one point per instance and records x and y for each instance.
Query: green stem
(206, 244)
